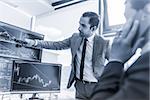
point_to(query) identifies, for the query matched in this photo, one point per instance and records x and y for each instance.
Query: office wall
(65, 21)
(21, 19)
(13, 16)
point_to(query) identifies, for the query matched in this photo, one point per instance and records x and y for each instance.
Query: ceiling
(39, 7)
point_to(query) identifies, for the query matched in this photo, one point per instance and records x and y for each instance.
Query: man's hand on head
(122, 48)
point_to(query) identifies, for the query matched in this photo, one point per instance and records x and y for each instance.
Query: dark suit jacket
(114, 84)
(98, 57)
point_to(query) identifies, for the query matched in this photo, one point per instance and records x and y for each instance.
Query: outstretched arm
(54, 45)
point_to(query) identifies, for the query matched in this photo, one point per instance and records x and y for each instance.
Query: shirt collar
(91, 38)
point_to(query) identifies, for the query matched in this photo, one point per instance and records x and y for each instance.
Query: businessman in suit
(89, 52)
(132, 84)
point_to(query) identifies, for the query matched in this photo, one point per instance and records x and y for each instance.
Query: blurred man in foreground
(115, 84)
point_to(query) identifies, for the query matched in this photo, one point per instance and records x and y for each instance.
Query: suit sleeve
(134, 83)
(109, 81)
(54, 45)
(108, 48)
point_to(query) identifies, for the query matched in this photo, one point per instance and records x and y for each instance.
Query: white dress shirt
(88, 74)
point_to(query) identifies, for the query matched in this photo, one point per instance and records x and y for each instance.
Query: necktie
(82, 59)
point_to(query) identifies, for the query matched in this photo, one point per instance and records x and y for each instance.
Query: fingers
(128, 35)
(133, 32)
(125, 31)
(118, 34)
(137, 44)
(127, 27)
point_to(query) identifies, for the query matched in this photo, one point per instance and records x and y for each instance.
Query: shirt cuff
(115, 60)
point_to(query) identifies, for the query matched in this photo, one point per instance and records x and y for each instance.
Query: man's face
(129, 11)
(84, 28)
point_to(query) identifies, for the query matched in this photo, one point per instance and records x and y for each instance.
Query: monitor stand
(34, 97)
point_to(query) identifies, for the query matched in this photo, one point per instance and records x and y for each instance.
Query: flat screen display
(29, 76)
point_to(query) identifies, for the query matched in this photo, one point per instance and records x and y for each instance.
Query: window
(113, 15)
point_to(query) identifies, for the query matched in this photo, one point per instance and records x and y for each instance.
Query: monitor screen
(29, 76)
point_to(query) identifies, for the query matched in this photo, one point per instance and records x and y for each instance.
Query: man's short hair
(138, 4)
(93, 18)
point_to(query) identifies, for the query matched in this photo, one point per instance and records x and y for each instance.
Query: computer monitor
(36, 77)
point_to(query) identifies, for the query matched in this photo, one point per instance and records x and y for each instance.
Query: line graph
(17, 70)
(34, 77)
